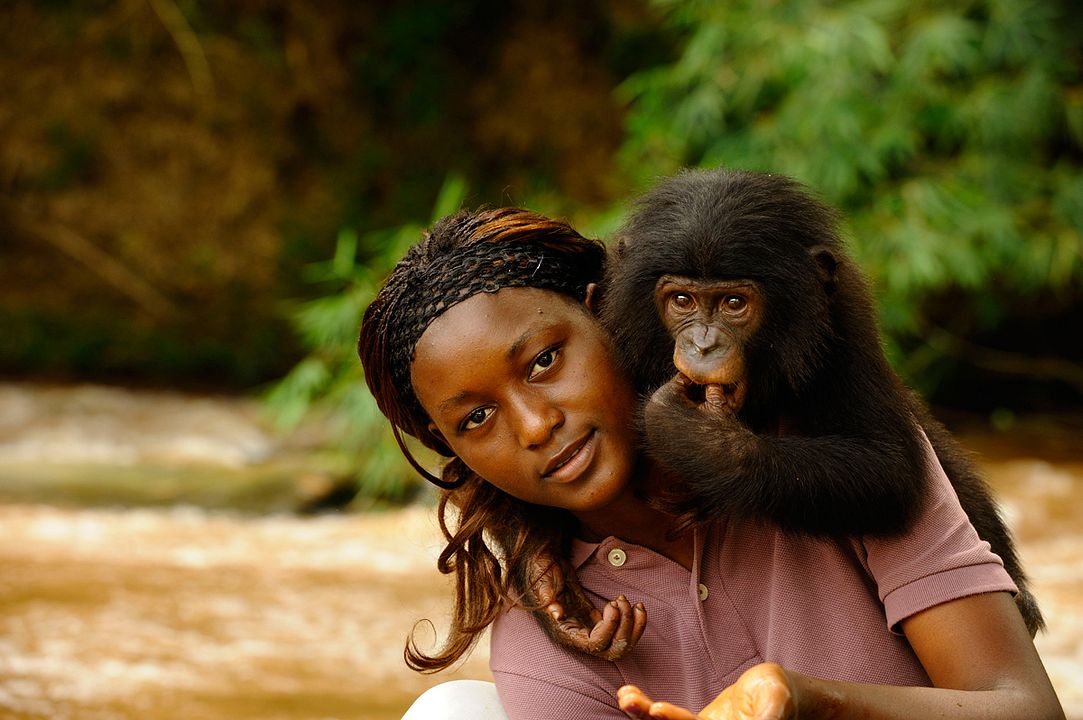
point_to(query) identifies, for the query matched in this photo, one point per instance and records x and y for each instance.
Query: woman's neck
(630, 517)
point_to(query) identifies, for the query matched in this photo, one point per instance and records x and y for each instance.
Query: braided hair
(460, 256)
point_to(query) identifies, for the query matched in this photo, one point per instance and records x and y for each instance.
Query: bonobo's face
(522, 385)
(711, 322)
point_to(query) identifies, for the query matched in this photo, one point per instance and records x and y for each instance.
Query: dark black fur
(827, 441)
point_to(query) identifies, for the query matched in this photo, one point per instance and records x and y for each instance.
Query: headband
(479, 267)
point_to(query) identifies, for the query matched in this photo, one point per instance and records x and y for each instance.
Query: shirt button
(703, 592)
(617, 557)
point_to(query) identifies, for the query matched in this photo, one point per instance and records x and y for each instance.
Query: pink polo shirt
(825, 608)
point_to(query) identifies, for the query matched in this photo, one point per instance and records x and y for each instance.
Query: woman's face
(522, 385)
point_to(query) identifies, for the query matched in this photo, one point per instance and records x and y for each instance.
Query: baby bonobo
(753, 335)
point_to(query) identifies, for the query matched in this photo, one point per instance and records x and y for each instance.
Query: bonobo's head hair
(462, 255)
(727, 225)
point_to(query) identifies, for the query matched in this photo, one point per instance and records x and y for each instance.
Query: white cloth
(458, 700)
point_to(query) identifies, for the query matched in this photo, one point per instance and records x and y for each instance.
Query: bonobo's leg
(568, 617)
(977, 500)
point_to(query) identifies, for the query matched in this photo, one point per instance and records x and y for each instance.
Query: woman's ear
(446, 451)
(591, 299)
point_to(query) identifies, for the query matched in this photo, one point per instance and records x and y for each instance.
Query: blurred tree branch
(192, 52)
(106, 266)
(1007, 363)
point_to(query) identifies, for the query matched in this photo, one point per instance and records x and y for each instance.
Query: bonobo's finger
(602, 634)
(550, 580)
(622, 639)
(639, 623)
(715, 399)
(626, 624)
(633, 620)
(674, 393)
(685, 390)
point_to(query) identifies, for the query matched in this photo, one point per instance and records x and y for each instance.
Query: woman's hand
(763, 692)
(976, 650)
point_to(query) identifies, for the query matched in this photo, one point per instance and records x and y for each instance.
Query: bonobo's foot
(569, 618)
(1032, 615)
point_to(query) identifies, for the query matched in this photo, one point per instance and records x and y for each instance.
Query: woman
(483, 346)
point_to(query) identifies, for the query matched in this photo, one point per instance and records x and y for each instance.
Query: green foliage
(329, 380)
(949, 134)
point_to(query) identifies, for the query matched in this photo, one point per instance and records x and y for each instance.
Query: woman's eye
(543, 362)
(476, 417)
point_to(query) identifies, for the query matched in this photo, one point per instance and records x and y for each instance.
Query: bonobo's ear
(826, 265)
(591, 298)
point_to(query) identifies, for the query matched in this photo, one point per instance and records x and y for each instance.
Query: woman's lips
(570, 463)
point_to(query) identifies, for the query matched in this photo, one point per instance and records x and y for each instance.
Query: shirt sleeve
(940, 559)
(539, 680)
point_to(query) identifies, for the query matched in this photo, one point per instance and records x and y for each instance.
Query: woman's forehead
(488, 330)
(486, 314)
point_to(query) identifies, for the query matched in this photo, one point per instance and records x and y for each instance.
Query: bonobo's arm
(829, 485)
(569, 618)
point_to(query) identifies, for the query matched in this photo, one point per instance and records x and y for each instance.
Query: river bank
(194, 611)
(170, 614)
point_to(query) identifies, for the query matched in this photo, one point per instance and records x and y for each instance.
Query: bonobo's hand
(570, 619)
(693, 430)
(763, 692)
(681, 402)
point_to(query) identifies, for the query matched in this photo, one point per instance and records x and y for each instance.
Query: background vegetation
(200, 192)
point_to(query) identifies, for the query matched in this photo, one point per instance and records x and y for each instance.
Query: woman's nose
(538, 419)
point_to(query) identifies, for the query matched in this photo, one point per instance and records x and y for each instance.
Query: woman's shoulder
(519, 645)
(939, 558)
(532, 671)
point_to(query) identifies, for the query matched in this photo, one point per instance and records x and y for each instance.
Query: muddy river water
(177, 612)
(180, 614)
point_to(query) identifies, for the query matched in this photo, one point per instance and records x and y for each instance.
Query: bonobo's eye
(683, 301)
(545, 360)
(476, 417)
(734, 303)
